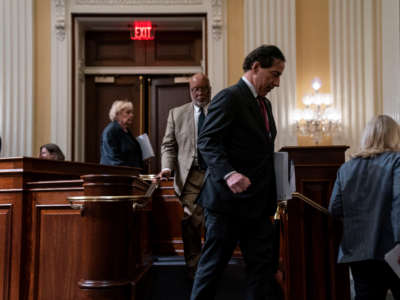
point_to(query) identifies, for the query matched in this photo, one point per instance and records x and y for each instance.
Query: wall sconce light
(319, 118)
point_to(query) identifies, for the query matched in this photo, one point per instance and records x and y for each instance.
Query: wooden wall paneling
(6, 212)
(57, 252)
(56, 239)
(14, 240)
(175, 48)
(113, 48)
(165, 94)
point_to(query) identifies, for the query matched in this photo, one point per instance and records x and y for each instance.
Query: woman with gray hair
(118, 147)
(366, 196)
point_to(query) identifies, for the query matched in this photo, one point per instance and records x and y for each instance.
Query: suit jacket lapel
(188, 120)
(252, 103)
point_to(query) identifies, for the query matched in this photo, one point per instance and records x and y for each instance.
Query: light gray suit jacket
(178, 148)
(367, 196)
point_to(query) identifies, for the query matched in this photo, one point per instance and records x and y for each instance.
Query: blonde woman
(367, 196)
(118, 146)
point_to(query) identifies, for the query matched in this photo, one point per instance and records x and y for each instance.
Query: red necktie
(263, 110)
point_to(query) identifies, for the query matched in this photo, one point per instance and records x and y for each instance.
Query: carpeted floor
(171, 283)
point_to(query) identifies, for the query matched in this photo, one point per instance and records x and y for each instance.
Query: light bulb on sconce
(319, 118)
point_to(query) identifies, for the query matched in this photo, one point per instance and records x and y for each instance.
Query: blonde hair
(382, 134)
(118, 106)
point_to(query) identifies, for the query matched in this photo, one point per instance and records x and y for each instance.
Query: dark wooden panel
(113, 49)
(5, 250)
(169, 48)
(175, 48)
(318, 190)
(167, 214)
(99, 99)
(58, 241)
(165, 94)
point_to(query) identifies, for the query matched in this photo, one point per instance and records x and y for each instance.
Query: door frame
(81, 23)
(67, 69)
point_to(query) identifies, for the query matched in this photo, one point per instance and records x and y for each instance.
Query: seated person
(51, 151)
(118, 147)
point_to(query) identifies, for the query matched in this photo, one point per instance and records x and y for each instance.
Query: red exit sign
(142, 31)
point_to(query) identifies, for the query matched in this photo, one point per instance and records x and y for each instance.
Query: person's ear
(256, 66)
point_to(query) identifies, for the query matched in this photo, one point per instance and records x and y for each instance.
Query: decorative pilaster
(60, 78)
(273, 22)
(217, 19)
(355, 66)
(16, 85)
(60, 19)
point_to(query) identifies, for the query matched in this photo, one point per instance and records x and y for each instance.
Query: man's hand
(238, 182)
(164, 174)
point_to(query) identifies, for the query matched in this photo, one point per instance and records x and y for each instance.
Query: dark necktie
(200, 122)
(263, 110)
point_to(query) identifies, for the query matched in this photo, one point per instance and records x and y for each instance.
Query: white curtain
(391, 57)
(16, 55)
(355, 51)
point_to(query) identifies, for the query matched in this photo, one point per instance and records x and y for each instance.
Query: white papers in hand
(392, 258)
(145, 145)
(285, 176)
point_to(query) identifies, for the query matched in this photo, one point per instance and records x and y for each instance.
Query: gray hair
(382, 134)
(118, 106)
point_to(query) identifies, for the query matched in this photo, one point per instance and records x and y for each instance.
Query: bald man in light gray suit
(179, 154)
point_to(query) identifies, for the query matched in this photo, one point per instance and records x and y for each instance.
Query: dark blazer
(367, 196)
(119, 148)
(234, 138)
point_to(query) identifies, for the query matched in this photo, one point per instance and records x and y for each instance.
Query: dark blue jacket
(367, 196)
(119, 148)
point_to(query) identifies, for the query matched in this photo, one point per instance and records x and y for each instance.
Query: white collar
(197, 108)
(251, 87)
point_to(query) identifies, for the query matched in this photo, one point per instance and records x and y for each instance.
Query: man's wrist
(229, 175)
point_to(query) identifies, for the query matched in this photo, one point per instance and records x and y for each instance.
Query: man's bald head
(200, 89)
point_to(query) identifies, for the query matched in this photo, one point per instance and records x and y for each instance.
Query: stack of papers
(145, 145)
(392, 258)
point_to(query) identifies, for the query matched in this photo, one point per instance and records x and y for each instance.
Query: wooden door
(165, 94)
(99, 98)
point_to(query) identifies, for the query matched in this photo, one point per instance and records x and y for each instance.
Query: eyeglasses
(204, 89)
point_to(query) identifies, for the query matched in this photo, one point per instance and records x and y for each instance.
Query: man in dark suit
(239, 193)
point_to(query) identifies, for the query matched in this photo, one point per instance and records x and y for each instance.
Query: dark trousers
(223, 233)
(373, 278)
(192, 221)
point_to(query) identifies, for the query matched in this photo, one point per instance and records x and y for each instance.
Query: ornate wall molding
(273, 22)
(217, 19)
(16, 77)
(60, 19)
(139, 2)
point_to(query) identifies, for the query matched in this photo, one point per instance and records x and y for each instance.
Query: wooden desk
(39, 232)
(309, 238)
